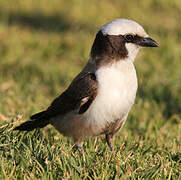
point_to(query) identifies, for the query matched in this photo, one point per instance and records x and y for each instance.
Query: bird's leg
(109, 139)
(78, 145)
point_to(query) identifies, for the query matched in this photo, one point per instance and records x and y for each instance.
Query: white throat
(116, 94)
(132, 51)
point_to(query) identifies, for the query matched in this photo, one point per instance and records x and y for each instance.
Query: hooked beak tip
(148, 42)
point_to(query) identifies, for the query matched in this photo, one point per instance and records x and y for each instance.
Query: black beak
(147, 42)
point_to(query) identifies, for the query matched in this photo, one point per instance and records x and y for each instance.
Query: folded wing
(78, 97)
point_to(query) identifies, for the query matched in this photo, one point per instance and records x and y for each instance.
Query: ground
(43, 45)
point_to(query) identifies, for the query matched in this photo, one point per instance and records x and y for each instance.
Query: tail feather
(38, 115)
(37, 121)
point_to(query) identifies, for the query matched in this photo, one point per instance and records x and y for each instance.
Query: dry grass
(43, 45)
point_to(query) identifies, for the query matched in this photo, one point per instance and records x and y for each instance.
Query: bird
(98, 100)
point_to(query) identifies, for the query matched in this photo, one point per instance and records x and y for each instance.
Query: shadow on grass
(38, 21)
(165, 97)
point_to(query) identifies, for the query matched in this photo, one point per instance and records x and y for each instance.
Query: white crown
(122, 27)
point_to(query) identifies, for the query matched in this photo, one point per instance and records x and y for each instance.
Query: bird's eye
(129, 38)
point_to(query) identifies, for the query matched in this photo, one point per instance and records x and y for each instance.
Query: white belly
(116, 94)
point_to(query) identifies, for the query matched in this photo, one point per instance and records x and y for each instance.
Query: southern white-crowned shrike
(100, 97)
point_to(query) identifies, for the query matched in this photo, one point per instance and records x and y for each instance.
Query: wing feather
(78, 96)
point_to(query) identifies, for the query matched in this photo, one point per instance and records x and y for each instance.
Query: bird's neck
(132, 51)
(108, 48)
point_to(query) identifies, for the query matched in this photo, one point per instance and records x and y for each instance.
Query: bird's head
(120, 39)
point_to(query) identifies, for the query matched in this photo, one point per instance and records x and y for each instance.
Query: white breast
(116, 94)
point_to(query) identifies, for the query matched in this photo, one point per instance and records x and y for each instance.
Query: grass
(43, 45)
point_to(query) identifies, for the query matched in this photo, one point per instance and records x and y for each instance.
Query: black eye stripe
(129, 37)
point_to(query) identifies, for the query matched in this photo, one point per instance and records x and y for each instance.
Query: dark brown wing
(78, 96)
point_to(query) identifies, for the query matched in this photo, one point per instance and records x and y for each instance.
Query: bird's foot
(109, 140)
(78, 146)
